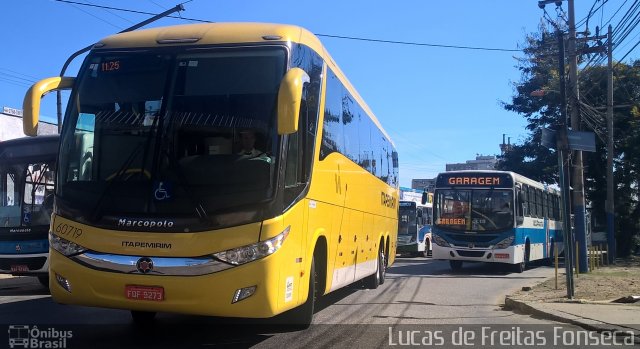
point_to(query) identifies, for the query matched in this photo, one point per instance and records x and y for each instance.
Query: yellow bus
(160, 207)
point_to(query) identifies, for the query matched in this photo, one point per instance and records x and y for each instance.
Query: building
(422, 184)
(11, 125)
(482, 162)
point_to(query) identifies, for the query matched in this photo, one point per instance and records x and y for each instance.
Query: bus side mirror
(289, 99)
(425, 197)
(31, 103)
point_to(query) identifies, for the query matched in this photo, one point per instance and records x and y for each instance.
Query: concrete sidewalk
(593, 316)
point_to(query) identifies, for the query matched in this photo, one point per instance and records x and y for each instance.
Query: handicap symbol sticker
(162, 190)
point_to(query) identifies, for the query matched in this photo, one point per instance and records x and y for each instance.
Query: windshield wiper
(121, 171)
(175, 166)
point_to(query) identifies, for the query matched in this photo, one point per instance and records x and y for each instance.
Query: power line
(323, 35)
(92, 15)
(131, 11)
(18, 74)
(419, 44)
(115, 14)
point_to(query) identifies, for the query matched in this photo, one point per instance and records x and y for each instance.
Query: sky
(439, 104)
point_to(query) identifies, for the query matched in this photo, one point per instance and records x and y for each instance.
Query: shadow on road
(440, 269)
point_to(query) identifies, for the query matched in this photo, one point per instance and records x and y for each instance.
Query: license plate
(17, 268)
(145, 293)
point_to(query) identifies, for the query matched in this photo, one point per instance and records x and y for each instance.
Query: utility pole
(610, 208)
(577, 177)
(563, 168)
(564, 156)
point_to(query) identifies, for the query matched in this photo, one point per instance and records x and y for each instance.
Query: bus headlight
(250, 253)
(505, 243)
(439, 241)
(64, 246)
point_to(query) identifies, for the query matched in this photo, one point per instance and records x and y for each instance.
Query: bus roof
(230, 33)
(18, 148)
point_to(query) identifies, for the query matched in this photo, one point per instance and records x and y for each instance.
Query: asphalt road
(420, 297)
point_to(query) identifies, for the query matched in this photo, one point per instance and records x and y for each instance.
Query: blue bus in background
(27, 168)
(414, 224)
(495, 217)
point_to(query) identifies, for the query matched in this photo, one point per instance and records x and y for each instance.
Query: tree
(539, 68)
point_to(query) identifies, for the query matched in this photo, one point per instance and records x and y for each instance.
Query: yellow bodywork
(342, 207)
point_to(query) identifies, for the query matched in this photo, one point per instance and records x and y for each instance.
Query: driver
(248, 140)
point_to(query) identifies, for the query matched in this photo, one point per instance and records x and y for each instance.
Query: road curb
(526, 308)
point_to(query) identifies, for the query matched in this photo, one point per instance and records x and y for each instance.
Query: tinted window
(348, 130)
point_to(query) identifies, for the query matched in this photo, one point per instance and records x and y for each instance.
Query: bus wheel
(376, 279)
(455, 265)
(143, 318)
(427, 249)
(382, 269)
(44, 280)
(301, 316)
(519, 267)
(551, 258)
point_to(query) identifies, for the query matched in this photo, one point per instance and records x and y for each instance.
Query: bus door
(547, 214)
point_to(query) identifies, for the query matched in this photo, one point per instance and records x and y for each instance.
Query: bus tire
(522, 266)
(301, 316)
(143, 318)
(551, 258)
(427, 249)
(376, 279)
(455, 265)
(384, 260)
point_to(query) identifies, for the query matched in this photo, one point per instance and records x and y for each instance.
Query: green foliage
(540, 71)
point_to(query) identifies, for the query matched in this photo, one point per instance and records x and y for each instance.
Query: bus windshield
(474, 210)
(407, 220)
(27, 194)
(162, 132)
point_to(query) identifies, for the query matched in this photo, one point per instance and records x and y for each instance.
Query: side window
(365, 155)
(332, 134)
(350, 121)
(347, 129)
(10, 195)
(520, 203)
(292, 171)
(525, 201)
(547, 205)
(81, 151)
(385, 159)
(300, 145)
(532, 202)
(394, 177)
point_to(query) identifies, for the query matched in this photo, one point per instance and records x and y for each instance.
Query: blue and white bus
(495, 217)
(414, 229)
(27, 168)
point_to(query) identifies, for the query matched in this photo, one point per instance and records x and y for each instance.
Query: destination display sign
(471, 179)
(404, 204)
